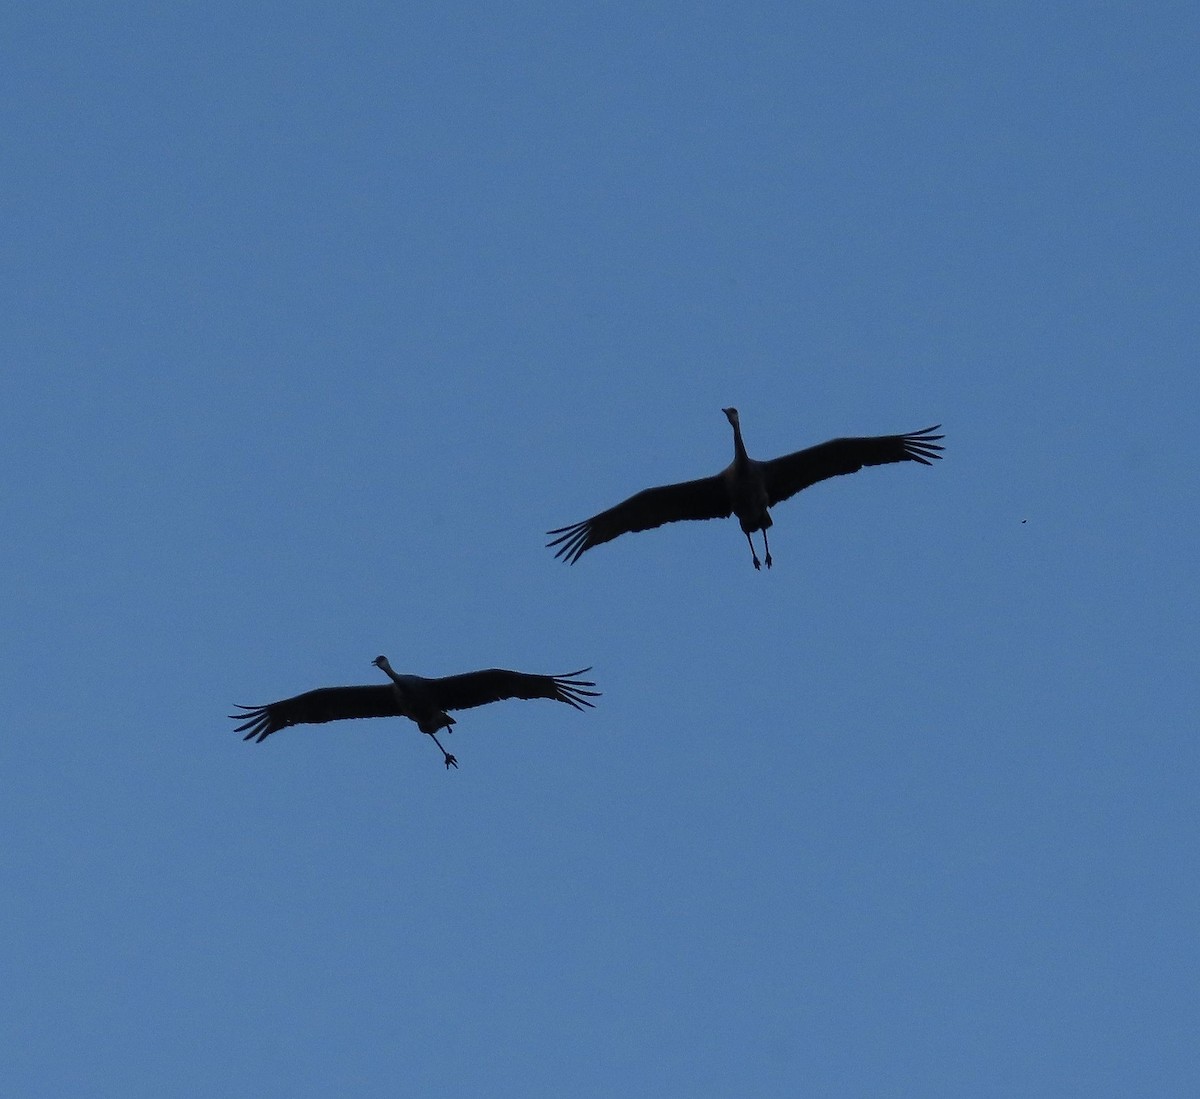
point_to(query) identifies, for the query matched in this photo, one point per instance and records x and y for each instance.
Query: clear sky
(316, 317)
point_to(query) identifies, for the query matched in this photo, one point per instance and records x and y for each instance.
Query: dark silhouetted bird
(746, 488)
(422, 700)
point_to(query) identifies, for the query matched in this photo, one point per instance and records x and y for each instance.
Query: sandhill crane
(422, 700)
(746, 488)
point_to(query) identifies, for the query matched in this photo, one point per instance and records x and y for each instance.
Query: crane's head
(731, 415)
(381, 662)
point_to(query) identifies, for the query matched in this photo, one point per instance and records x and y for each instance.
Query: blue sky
(316, 317)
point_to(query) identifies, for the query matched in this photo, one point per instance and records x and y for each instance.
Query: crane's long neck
(386, 668)
(739, 448)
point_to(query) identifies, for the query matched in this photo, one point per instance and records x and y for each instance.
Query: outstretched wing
(461, 692)
(317, 707)
(788, 475)
(707, 498)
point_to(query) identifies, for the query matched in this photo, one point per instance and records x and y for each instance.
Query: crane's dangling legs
(450, 760)
(753, 552)
(767, 547)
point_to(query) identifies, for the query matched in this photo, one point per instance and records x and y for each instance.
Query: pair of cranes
(745, 488)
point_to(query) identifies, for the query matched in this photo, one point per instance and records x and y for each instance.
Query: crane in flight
(746, 488)
(421, 700)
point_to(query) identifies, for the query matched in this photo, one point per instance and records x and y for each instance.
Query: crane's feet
(758, 564)
(768, 560)
(450, 760)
